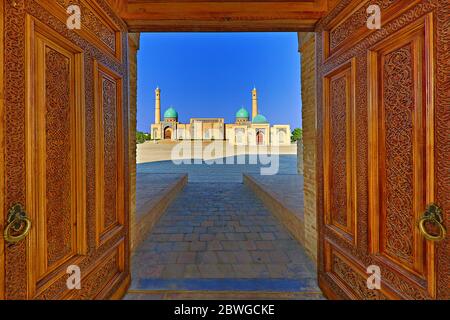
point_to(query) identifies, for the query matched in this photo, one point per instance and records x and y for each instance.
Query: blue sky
(212, 75)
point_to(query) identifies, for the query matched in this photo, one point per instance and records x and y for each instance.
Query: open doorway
(208, 217)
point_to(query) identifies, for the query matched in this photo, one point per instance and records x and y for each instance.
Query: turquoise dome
(242, 113)
(260, 119)
(171, 113)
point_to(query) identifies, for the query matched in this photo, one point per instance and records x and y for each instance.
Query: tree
(141, 137)
(296, 135)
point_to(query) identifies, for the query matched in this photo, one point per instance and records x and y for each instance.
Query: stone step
(283, 196)
(154, 194)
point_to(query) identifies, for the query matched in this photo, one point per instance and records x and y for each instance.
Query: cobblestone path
(220, 237)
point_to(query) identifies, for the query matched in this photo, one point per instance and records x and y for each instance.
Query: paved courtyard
(217, 236)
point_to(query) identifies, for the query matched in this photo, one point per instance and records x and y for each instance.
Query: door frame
(168, 130)
(127, 131)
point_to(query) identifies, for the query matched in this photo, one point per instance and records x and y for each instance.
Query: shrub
(296, 135)
(141, 137)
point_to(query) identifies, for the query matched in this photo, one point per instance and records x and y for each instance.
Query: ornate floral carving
(14, 71)
(58, 156)
(354, 280)
(441, 12)
(110, 151)
(338, 144)
(398, 101)
(97, 280)
(357, 20)
(90, 21)
(407, 290)
(14, 44)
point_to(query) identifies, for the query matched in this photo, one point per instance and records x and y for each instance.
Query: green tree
(296, 134)
(141, 137)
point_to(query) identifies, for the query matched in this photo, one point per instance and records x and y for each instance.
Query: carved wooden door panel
(65, 111)
(383, 153)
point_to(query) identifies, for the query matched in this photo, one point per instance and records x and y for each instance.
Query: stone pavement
(283, 196)
(218, 172)
(219, 237)
(195, 295)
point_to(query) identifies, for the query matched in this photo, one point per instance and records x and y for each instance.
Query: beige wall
(308, 76)
(275, 137)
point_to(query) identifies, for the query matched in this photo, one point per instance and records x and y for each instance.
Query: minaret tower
(157, 105)
(254, 103)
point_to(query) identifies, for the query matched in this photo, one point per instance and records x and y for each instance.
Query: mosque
(245, 131)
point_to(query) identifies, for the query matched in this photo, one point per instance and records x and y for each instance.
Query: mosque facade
(254, 130)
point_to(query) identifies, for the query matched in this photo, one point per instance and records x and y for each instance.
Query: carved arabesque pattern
(442, 139)
(398, 101)
(338, 145)
(96, 280)
(110, 151)
(353, 280)
(90, 21)
(58, 153)
(356, 20)
(14, 45)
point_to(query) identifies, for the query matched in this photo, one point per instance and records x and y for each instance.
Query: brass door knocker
(432, 215)
(18, 225)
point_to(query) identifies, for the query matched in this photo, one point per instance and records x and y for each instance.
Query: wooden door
(259, 138)
(167, 133)
(64, 146)
(383, 153)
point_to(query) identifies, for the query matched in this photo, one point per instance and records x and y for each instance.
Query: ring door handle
(18, 225)
(432, 215)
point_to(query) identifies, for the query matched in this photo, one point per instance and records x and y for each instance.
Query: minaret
(157, 105)
(254, 103)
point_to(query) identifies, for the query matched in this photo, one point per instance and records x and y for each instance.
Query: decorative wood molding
(122, 290)
(45, 261)
(95, 24)
(17, 56)
(231, 15)
(344, 75)
(403, 283)
(416, 41)
(351, 275)
(350, 24)
(105, 276)
(102, 76)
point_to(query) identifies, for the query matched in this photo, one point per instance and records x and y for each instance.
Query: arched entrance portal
(167, 133)
(259, 138)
